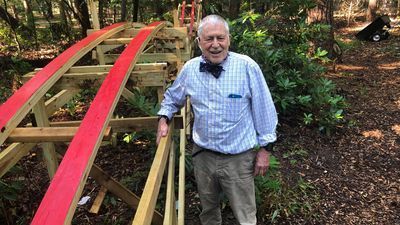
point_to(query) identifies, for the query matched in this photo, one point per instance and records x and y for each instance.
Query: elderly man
(234, 122)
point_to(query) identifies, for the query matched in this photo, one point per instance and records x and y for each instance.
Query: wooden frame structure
(153, 55)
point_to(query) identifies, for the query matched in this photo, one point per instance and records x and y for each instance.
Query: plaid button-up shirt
(233, 113)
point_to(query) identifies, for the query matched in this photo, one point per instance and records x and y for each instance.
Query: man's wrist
(163, 116)
(268, 148)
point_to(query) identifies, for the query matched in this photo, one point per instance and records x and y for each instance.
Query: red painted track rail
(60, 200)
(20, 103)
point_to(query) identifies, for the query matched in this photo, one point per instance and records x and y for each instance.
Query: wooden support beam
(132, 25)
(127, 124)
(98, 200)
(59, 99)
(20, 103)
(148, 199)
(94, 72)
(59, 207)
(48, 134)
(12, 154)
(121, 41)
(49, 152)
(182, 168)
(162, 57)
(170, 205)
(120, 191)
(165, 33)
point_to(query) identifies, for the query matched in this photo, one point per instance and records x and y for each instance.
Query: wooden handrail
(148, 199)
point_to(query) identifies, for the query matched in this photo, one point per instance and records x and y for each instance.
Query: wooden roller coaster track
(143, 62)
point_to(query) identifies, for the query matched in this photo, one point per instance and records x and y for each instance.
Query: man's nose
(215, 42)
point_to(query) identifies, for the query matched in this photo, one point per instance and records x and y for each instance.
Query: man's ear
(198, 43)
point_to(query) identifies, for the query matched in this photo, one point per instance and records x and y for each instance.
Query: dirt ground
(356, 170)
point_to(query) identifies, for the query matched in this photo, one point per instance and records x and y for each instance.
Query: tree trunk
(12, 21)
(30, 19)
(323, 13)
(49, 9)
(123, 10)
(234, 8)
(135, 13)
(159, 9)
(398, 8)
(64, 25)
(14, 11)
(83, 15)
(101, 12)
(371, 11)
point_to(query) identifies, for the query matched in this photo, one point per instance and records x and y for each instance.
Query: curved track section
(60, 200)
(21, 102)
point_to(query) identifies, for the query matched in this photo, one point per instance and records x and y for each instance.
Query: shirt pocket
(234, 108)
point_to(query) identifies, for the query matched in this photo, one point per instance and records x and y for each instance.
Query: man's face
(214, 42)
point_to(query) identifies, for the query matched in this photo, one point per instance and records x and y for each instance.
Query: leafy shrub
(278, 199)
(291, 67)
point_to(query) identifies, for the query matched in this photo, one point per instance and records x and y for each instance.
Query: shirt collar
(223, 63)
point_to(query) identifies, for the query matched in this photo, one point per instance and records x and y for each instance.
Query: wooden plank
(59, 99)
(107, 48)
(48, 134)
(60, 200)
(182, 168)
(140, 78)
(20, 103)
(49, 152)
(152, 187)
(102, 69)
(148, 57)
(120, 191)
(120, 41)
(170, 206)
(165, 33)
(98, 200)
(127, 124)
(12, 154)
(127, 94)
(132, 25)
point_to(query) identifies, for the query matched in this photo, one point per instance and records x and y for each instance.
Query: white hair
(213, 19)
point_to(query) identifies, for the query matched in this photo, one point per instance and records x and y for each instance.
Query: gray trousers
(230, 174)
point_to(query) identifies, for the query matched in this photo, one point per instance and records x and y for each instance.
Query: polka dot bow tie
(214, 69)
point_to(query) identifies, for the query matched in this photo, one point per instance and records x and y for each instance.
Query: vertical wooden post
(181, 181)
(170, 208)
(175, 17)
(93, 5)
(49, 152)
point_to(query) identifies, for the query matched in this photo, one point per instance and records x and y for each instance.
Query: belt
(214, 152)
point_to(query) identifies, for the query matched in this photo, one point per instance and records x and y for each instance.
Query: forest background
(301, 43)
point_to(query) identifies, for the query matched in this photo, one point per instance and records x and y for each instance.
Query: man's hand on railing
(162, 129)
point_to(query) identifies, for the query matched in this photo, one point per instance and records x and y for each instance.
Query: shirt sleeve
(174, 96)
(263, 109)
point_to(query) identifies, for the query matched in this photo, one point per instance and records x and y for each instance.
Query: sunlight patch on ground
(373, 134)
(389, 66)
(396, 129)
(397, 103)
(350, 67)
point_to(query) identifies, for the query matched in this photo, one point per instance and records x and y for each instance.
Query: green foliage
(278, 200)
(293, 70)
(13, 68)
(9, 191)
(143, 103)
